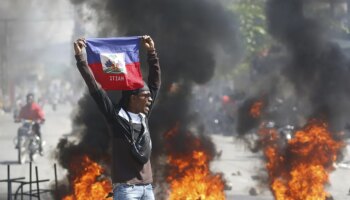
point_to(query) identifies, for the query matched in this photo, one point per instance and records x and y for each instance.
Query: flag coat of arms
(115, 62)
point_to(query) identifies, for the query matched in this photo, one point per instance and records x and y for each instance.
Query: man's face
(142, 101)
(30, 99)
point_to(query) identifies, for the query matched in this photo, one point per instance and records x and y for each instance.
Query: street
(57, 124)
(236, 158)
(236, 162)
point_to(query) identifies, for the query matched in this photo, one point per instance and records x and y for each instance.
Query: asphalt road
(236, 158)
(236, 162)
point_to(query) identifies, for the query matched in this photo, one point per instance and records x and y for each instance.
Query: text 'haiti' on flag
(115, 62)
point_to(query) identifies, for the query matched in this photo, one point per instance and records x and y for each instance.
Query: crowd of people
(52, 93)
(216, 105)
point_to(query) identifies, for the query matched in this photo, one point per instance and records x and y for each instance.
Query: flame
(189, 175)
(255, 110)
(86, 186)
(302, 171)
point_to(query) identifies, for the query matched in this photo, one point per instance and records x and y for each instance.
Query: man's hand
(40, 121)
(79, 45)
(148, 43)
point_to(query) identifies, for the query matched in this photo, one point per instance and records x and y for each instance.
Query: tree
(252, 20)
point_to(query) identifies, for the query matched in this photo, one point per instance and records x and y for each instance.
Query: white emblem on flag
(113, 63)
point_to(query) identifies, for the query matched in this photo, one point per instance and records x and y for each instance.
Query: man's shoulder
(36, 106)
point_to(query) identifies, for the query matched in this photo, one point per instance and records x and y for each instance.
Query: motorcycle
(27, 142)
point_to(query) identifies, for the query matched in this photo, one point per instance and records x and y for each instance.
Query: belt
(129, 184)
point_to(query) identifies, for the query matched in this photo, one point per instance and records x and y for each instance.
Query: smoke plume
(307, 76)
(304, 77)
(318, 69)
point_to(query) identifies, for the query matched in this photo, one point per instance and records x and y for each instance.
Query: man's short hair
(136, 91)
(127, 93)
(30, 95)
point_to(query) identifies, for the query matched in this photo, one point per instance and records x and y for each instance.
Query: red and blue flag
(115, 62)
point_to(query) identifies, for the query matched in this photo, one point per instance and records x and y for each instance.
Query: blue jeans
(125, 191)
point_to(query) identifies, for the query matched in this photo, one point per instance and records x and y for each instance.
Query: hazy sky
(36, 32)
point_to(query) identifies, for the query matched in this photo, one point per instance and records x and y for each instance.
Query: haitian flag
(115, 62)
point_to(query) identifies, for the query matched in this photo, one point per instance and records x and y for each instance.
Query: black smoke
(89, 137)
(307, 78)
(310, 72)
(317, 68)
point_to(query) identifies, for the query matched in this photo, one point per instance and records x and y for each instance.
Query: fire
(189, 175)
(85, 180)
(301, 172)
(255, 110)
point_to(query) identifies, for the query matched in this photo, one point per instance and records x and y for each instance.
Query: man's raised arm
(154, 73)
(82, 66)
(98, 94)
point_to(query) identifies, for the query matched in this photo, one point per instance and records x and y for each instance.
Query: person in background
(32, 111)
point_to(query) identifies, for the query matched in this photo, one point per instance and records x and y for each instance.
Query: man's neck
(132, 110)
